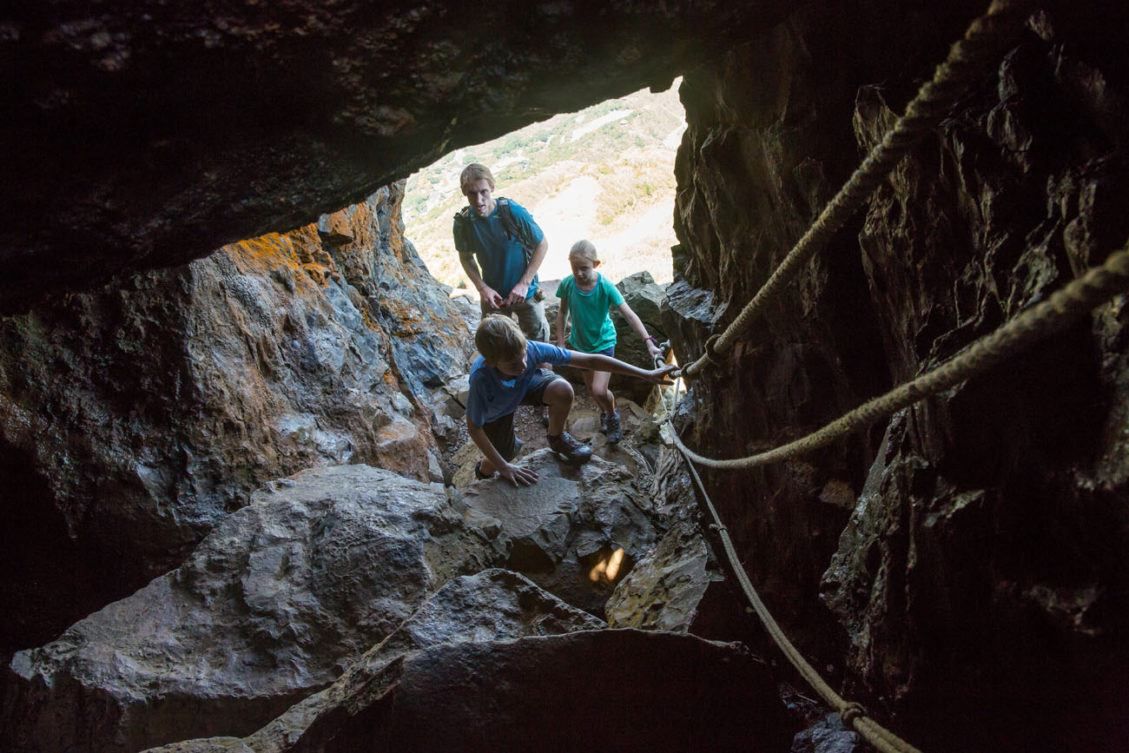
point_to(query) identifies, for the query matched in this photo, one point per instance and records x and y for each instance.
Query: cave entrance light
(605, 173)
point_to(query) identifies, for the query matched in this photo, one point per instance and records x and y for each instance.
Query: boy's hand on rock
(518, 476)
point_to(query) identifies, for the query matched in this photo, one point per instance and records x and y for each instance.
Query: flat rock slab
(270, 607)
(608, 690)
(559, 528)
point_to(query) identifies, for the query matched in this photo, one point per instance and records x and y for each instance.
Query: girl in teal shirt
(587, 298)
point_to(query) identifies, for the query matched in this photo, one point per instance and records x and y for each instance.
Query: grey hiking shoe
(570, 449)
(615, 428)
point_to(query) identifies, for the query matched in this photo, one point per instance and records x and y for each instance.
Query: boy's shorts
(500, 431)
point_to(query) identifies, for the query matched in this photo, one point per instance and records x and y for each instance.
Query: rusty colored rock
(134, 418)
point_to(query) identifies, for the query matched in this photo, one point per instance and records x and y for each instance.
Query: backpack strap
(513, 230)
(509, 224)
(462, 217)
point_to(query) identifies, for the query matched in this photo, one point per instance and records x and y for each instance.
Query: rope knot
(851, 710)
(711, 353)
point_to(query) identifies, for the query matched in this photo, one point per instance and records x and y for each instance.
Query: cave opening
(604, 173)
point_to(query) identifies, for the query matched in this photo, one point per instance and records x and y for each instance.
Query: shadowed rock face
(620, 690)
(270, 607)
(146, 134)
(494, 605)
(984, 566)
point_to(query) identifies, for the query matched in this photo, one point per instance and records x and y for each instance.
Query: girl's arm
(561, 322)
(637, 325)
(597, 362)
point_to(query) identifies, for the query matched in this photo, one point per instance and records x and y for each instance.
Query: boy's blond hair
(583, 250)
(499, 339)
(473, 173)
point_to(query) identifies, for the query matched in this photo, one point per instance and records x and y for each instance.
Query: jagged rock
(664, 590)
(270, 607)
(985, 555)
(621, 690)
(494, 605)
(828, 735)
(134, 418)
(645, 298)
(561, 527)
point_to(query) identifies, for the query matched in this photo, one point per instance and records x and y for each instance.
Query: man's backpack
(509, 224)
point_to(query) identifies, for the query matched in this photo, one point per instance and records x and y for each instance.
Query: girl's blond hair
(584, 250)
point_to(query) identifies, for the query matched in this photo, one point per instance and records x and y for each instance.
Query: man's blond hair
(499, 339)
(583, 250)
(473, 173)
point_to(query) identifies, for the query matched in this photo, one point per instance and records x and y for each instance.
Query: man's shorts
(500, 431)
(530, 317)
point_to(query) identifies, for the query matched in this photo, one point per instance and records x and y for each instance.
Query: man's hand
(661, 375)
(492, 297)
(517, 475)
(517, 295)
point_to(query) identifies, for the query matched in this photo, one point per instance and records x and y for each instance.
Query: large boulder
(621, 690)
(134, 418)
(644, 296)
(271, 607)
(494, 605)
(559, 530)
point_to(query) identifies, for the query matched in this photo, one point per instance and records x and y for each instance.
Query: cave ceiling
(145, 134)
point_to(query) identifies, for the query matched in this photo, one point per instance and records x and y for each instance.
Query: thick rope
(1064, 307)
(982, 44)
(853, 714)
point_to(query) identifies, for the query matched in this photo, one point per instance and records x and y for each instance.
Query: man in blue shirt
(493, 252)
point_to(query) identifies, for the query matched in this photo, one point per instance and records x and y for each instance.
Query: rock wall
(983, 568)
(134, 418)
(140, 134)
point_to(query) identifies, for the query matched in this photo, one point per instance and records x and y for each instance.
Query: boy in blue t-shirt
(586, 297)
(507, 375)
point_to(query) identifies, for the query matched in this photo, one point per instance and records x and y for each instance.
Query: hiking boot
(570, 449)
(615, 428)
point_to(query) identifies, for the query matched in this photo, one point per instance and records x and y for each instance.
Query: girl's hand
(517, 475)
(654, 350)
